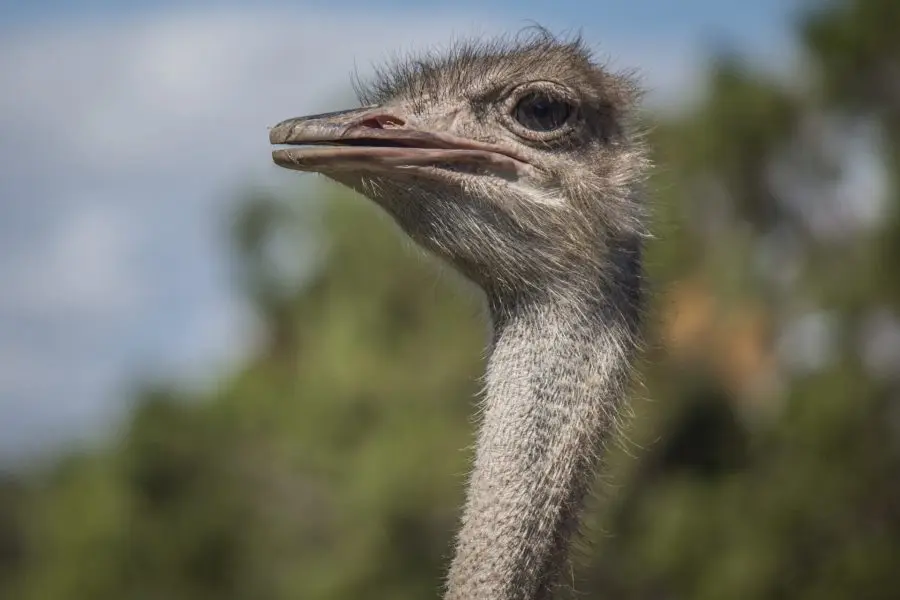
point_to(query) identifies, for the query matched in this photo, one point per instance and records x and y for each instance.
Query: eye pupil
(540, 112)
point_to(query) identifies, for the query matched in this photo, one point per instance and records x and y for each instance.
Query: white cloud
(82, 266)
(116, 141)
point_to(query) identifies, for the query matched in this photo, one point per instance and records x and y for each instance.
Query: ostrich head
(514, 161)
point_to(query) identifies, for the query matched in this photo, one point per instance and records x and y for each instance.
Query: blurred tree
(764, 474)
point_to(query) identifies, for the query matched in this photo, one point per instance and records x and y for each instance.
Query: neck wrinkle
(555, 381)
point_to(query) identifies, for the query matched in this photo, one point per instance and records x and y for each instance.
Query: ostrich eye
(539, 112)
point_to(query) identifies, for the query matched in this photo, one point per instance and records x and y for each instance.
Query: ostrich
(517, 162)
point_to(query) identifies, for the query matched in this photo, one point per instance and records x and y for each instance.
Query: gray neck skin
(556, 378)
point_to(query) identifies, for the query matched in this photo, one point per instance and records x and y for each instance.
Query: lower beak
(372, 139)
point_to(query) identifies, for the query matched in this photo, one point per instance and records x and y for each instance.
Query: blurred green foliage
(331, 464)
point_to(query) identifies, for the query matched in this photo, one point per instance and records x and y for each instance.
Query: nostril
(381, 122)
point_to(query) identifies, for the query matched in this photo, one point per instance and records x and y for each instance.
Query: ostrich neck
(556, 378)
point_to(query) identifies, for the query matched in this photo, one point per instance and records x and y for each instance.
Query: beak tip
(276, 135)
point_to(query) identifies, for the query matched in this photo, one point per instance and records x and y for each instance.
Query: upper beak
(374, 139)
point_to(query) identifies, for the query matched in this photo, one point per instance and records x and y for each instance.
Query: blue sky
(750, 26)
(112, 253)
(641, 17)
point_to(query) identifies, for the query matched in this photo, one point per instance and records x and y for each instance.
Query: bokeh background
(223, 381)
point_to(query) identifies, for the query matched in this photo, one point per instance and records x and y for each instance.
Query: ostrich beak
(375, 139)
